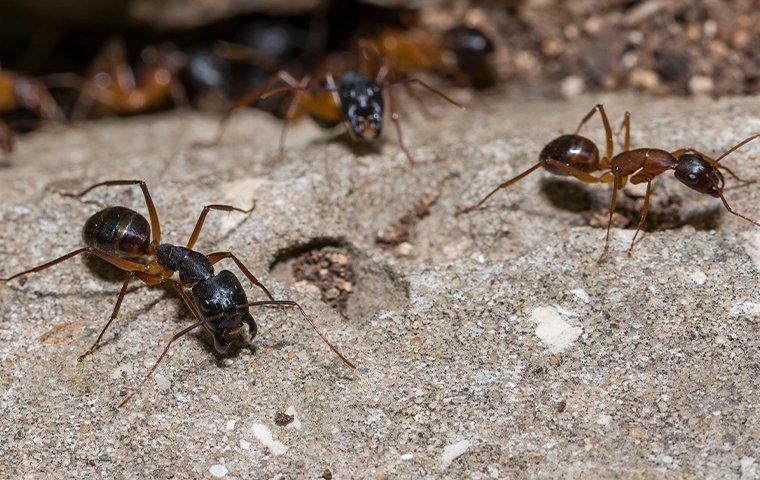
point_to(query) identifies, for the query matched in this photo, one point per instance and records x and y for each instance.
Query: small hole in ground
(343, 277)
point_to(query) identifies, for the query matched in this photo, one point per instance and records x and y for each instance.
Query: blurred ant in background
(356, 100)
(113, 87)
(18, 92)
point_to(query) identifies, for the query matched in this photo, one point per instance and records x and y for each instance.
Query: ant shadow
(567, 195)
(360, 149)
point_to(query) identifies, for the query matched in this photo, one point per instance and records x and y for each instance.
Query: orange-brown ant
(355, 100)
(691, 167)
(569, 154)
(122, 236)
(115, 88)
(20, 92)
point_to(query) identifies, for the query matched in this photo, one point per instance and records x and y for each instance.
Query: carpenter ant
(691, 167)
(114, 88)
(355, 100)
(569, 154)
(20, 92)
(218, 301)
(463, 53)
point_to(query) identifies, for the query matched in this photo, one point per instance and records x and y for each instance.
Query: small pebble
(162, 383)
(452, 452)
(701, 85)
(407, 456)
(218, 471)
(572, 86)
(231, 424)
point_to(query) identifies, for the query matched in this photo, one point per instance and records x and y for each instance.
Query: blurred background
(122, 57)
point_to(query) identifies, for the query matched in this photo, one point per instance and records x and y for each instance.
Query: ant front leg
(114, 314)
(395, 118)
(202, 218)
(250, 98)
(214, 258)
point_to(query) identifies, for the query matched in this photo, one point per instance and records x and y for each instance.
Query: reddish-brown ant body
(569, 154)
(115, 88)
(19, 92)
(694, 169)
(355, 100)
(463, 53)
(218, 301)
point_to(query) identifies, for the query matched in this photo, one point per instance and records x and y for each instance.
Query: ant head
(361, 100)
(698, 174)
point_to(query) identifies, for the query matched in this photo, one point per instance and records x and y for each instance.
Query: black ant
(569, 154)
(355, 100)
(691, 167)
(218, 301)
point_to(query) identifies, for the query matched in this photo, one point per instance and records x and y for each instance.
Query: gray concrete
(490, 346)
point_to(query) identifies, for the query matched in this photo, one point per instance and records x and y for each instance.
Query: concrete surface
(488, 345)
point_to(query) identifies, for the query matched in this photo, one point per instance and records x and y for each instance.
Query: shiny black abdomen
(221, 294)
(573, 150)
(118, 230)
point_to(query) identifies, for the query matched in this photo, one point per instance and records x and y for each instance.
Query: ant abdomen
(118, 230)
(573, 150)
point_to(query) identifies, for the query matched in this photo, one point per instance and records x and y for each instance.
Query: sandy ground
(489, 345)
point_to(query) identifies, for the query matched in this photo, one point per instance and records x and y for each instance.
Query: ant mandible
(218, 301)
(355, 100)
(569, 154)
(691, 167)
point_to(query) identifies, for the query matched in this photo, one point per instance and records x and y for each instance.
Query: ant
(21, 92)
(355, 100)
(114, 87)
(691, 167)
(462, 52)
(218, 301)
(569, 154)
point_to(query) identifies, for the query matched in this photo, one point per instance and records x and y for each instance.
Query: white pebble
(264, 435)
(452, 452)
(296, 423)
(572, 86)
(699, 277)
(553, 330)
(218, 471)
(604, 420)
(667, 459)
(231, 424)
(407, 456)
(581, 295)
(162, 383)
(245, 445)
(701, 85)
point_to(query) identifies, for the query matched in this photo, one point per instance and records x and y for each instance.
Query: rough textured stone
(655, 371)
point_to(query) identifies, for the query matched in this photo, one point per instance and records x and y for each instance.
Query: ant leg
(418, 82)
(6, 138)
(625, 124)
(114, 314)
(607, 132)
(292, 112)
(116, 261)
(49, 264)
(579, 174)
(292, 304)
(397, 123)
(217, 256)
(731, 210)
(502, 185)
(154, 223)
(616, 185)
(248, 99)
(642, 218)
(202, 218)
(176, 337)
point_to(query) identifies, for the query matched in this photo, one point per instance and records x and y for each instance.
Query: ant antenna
(265, 303)
(737, 146)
